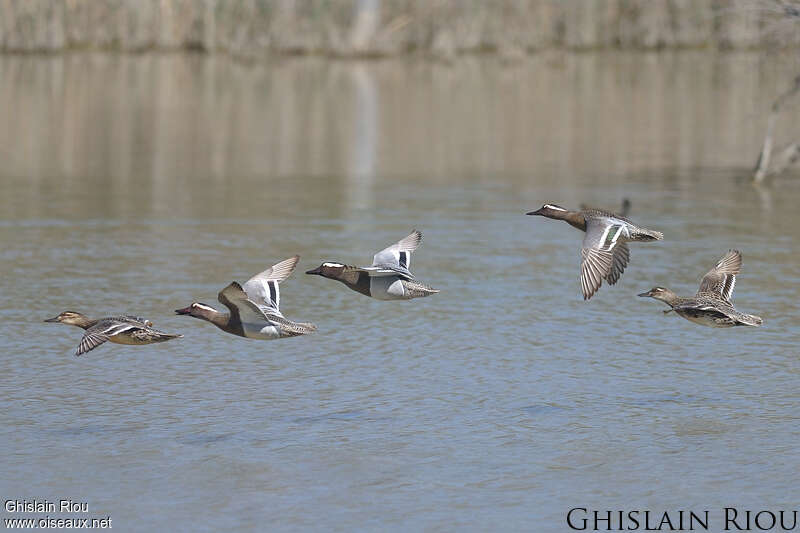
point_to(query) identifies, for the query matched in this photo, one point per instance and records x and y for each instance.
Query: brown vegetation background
(388, 27)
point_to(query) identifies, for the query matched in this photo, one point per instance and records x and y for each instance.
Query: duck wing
(90, 341)
(602, 240)
(622, 255)
(396, 259)
(102, 331)
(262, 289)
(242, 309)
(377, 271)
(721, 279)
(134, 318)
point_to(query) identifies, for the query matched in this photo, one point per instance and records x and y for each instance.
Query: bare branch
(788, 156)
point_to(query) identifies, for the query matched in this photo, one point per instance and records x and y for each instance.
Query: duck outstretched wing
(377, 271)
(241, 307)
(263, 290)
(102, 331)
(721, 279)
(602, 254)
(397, 257)
(622, 255)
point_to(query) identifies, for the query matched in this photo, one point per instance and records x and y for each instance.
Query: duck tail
(414, 289)
(646, 235)
(163, 337)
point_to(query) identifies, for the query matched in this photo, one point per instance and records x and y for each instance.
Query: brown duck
(126, 329)
(712, 305)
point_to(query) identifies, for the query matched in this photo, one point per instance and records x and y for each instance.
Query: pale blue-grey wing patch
(398, 255)
(721, 279)
(265, 294)
(602, 238)
(377, 271)
(263, 288)
(604, 233)
(611, 237)
(251, 313)
(234, 298)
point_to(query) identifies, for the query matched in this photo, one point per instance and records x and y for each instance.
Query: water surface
(139, 184)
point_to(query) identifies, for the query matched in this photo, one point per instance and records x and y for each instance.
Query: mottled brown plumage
(126, 329)
(711, 305)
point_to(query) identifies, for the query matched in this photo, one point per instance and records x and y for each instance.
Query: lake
(141, 183)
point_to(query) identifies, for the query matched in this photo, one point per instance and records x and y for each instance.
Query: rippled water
(139, 184)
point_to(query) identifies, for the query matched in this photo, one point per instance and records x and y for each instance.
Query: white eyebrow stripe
(551, 206)
(207, 308)
(332, 264)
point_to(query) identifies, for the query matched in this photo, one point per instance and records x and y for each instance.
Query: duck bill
(54, 319)
(316, 271)
(645, 294)
(184, 311)
(537, 212)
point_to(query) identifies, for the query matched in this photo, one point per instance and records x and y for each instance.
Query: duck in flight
(712, 305)
(126, 329)
(605, 252)
(387, 279)
(254, 308)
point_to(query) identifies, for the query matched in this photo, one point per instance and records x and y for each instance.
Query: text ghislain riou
(727, 519)
(45, 506)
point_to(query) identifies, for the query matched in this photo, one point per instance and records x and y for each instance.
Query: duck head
(198, 310)
(550, 211)
(328, 270)
(72, 318)
(660, 293)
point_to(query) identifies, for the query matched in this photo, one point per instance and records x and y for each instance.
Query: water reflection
(365, 136)
(153, 117)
